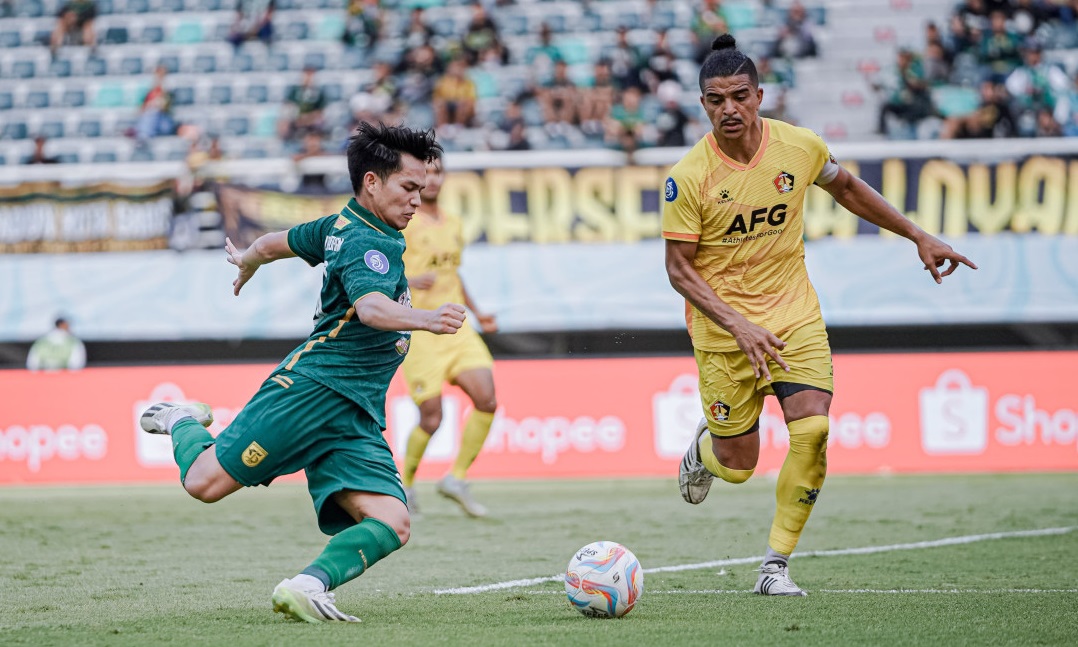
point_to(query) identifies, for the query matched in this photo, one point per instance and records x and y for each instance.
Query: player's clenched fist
(447, 319)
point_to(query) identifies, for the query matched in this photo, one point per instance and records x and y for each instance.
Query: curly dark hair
(377, 148)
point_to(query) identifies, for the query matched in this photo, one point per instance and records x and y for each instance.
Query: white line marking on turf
(865, 550)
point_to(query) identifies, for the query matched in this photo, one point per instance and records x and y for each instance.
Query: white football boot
(453, 488)
(159, 418)
(775, 580)
(307, 606)
(693, 478)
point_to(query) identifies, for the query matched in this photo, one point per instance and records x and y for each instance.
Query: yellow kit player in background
(733, 228)
(432, 262)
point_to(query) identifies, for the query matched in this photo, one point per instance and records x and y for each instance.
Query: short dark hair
(378, 148)
(727, 60)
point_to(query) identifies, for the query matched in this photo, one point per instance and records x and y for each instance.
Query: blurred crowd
(987, 73)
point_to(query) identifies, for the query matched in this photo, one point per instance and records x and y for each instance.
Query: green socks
(351, 552)
(189, 440)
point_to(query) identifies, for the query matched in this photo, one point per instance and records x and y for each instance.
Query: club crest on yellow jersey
(784, 182)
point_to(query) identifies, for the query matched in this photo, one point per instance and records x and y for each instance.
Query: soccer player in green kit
(322, 409)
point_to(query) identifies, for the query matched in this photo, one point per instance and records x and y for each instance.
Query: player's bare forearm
(379, 311)
(864, 202)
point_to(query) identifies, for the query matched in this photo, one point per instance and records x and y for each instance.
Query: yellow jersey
(435, 245)
(747, 221)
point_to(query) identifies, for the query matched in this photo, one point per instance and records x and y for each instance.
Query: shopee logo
(550, 437)
(36, 444)
(1024, 424)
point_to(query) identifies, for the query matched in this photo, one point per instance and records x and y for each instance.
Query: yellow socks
(711, 462)
(417, 444)
(475, 434)
(800, 480)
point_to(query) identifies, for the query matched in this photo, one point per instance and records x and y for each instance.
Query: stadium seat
(23, 69)
(115, 36)
(333, 91)
(257, 93)
(573, 50)
(137, 6)
(954, 101)
(89, 127)
(131, 65)
(486, 85)
(51, 129)
(95, 66)
(221, 94)
(152, 34)
(73, 98)
(331, 27)
(103, 157)
(68, 157)
(109, 96)
(9, 39)
(296, 30)
(171, 62)
(187, 33)
(265, 123)
(183, 95)
(237, 126)
(7, 100)
(142, 155)
(243, 62)
(14, 130)
(174, 6)
(37, 99)
(317, 60)
(739, 15)
(60, 67)
(205, 64)
(278, 61)
(29, 9)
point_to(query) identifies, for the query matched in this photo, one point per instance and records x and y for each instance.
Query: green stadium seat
(952, 100)
(573, 50)
(187, 33)
(739, 15)
(265, 123)
(331, 27)
(109, 95)
(486, 85)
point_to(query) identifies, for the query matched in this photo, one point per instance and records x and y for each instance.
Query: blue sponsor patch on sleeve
(377, 261)
(671, 189)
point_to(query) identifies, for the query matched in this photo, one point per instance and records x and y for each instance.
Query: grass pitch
(147, 565)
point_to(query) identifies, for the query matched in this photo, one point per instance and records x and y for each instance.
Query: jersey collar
(736, 165)
(354, 209)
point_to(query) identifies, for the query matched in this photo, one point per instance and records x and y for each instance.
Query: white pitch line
(865, 550)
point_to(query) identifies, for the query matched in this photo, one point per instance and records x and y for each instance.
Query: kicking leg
(732, 459)
(200, 472)
(382, 527)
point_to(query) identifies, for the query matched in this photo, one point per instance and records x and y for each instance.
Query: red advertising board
(583, 418)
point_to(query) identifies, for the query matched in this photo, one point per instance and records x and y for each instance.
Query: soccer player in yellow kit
(733, 228)
(432, 262)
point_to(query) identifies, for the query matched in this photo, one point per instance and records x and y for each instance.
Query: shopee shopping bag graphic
(954, 416)
(676, 412)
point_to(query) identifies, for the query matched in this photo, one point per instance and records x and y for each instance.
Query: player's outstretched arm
(266, 249)
(379, 311)
(757, 342)
(864, 202)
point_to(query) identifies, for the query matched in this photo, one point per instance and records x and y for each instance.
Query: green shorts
(294, 423)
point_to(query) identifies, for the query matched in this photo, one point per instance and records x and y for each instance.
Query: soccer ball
(604, 580)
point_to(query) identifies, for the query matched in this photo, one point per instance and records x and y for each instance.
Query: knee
(487, 404)
(430, 421)
(402, 525)
(203, 489)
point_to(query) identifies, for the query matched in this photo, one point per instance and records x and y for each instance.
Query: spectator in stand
(481, 41)
(1067, 111)
(661, 65)
(542, 57)
(418, 69)
(910, 100)
(303, 107)
(775, 85)
(992, 118)
(672, 121)
(999, 49)
(1028, 15)
(378, 101)
(514, 128)
(417, 32)
(626, 127)
(626, 61)
(74, 25)
(363, 23)
(454, 98)
(155, 113)
(1047, 126)
(559, 99)
(57, 350)
(253, 21)
(959, 40)
(767, 15)
(974, 13)
(39, 156)
(596, 101)
(1036, 86)
(709, 21)
(312, 146)
(933, 36)
(936, 66)
(795, 38)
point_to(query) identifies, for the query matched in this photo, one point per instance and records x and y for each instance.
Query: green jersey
(362, 255)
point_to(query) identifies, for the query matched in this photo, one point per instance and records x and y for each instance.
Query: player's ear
(759, 95)
(371, 181)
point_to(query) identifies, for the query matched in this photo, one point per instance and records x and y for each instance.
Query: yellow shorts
(733, 397)
(433, 360)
